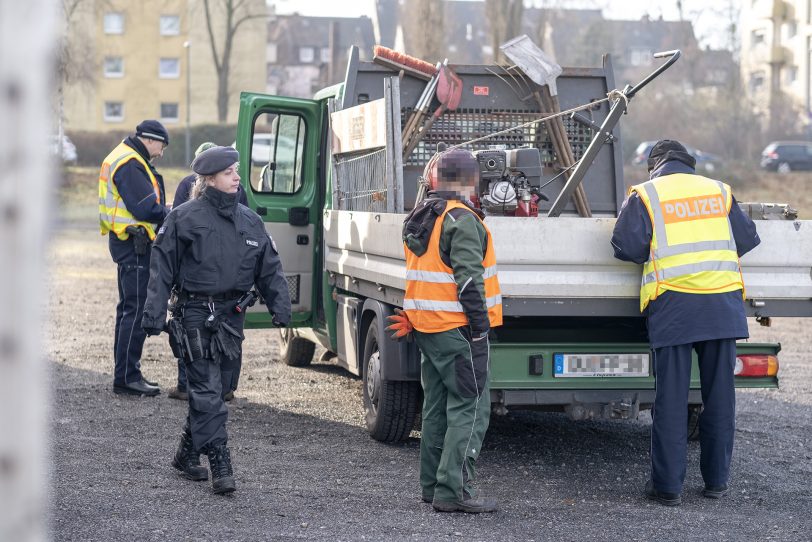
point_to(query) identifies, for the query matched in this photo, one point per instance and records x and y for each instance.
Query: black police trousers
(208, 380)
(717, 423)
(128, 342)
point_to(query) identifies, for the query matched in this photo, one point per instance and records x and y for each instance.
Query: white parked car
(263, 148)
(69, 155)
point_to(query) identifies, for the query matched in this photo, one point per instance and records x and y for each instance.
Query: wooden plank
(359, 128)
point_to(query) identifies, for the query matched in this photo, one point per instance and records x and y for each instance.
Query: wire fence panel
(361, 182)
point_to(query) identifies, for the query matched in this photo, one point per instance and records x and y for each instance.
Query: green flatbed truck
(333, 187)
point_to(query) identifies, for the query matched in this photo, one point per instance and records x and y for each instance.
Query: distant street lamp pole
(188, 46)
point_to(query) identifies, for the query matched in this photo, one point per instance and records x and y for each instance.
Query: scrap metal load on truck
(346, 167)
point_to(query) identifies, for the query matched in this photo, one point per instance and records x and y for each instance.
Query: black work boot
(187, 460)
(222, 477)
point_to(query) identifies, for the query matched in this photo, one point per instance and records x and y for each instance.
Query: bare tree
(424, 25)
(505, 18)
(231, 14)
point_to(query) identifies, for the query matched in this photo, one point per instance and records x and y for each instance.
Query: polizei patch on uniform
(251, 243)
(696, 208)
(161, 230)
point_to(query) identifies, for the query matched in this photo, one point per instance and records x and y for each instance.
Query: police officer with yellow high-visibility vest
(688, 232)
(452, 300)
(132, 205)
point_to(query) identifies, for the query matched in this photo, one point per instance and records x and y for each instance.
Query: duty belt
(231, 295)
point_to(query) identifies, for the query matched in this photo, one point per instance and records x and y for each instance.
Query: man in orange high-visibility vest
(452, 300)
(688, 232)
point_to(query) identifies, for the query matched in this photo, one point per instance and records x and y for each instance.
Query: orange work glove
(400, 327)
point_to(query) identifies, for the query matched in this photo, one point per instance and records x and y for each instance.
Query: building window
(169, 68)
(113, 111)
(169, 112)
(325, 55)
(270, 53)
(306, 55)
(113, 23)
(791, 29)
(756, 81)
(640, 57)
(756, 37)
(113, 67)
(791, 75)
(170, 25)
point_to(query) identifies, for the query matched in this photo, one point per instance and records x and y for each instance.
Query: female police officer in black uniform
(213, 250)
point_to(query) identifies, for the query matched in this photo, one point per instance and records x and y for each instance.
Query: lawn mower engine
(509, 182)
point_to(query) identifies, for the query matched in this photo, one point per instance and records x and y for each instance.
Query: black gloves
(152, 331)
(277, 323)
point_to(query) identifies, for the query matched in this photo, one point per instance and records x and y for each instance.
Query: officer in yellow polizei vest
(452, 300)
(132, 205)
(688, 232)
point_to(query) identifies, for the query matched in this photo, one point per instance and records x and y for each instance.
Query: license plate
(606, 365)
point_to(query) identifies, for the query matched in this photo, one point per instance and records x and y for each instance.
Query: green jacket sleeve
(463, 241)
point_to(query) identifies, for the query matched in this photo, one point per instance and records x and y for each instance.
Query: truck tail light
(773, 155)
(756, 365)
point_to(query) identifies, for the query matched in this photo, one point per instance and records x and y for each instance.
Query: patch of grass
(79, 193)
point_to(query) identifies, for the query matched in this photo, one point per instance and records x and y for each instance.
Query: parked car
(263, 147)
(705, 161)
(786, 156)
(69, 155)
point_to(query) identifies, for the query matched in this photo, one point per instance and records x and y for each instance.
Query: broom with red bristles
(402, 62)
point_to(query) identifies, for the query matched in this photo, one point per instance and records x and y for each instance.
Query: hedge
(92, 147)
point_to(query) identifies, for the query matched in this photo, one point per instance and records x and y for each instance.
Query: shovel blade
(449, 88)
(535, 63)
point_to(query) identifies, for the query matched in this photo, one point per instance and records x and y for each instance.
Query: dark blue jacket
(137, 193)
(677, 317)
(184, 190)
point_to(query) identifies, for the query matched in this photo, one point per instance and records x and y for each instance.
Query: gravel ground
(306, 468)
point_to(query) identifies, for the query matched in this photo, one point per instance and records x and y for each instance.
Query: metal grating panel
(361, 182)
(293, 288)
(456, 127)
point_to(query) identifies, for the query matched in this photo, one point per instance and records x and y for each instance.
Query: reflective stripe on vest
(113, 213)
(692, 245)
(432, 300)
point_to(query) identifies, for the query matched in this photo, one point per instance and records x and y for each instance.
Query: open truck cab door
(279, 140)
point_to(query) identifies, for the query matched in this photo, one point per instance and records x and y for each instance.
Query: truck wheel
(784, 167)
(390, 406)
(296, 351)
(693, 421)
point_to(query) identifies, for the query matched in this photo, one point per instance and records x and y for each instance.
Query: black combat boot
(222, 477)
(187, 460)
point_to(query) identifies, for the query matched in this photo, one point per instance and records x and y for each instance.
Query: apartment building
(152, 59)
(776, 54)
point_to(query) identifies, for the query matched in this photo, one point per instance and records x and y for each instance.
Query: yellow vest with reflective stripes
(431, 301)
(692, 244)
(113, 214)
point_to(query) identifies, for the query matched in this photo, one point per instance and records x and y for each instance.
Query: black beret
(666, 150)
(152, 129)
(215, 160)
(457, 166)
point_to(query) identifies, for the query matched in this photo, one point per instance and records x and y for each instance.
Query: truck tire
(296, 351)
(693, 421)
(784, 168)
(390, 407)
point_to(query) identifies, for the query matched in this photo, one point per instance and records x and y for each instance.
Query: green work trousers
(456, 411)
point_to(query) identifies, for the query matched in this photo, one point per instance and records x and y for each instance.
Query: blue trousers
(232, 366)
(669, 433)
(128, 341)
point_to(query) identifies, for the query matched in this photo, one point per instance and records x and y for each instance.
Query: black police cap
(152, 129)
(215, 160)
(666, 150)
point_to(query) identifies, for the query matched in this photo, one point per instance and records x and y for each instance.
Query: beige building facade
(145, 57)
(776, 54)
